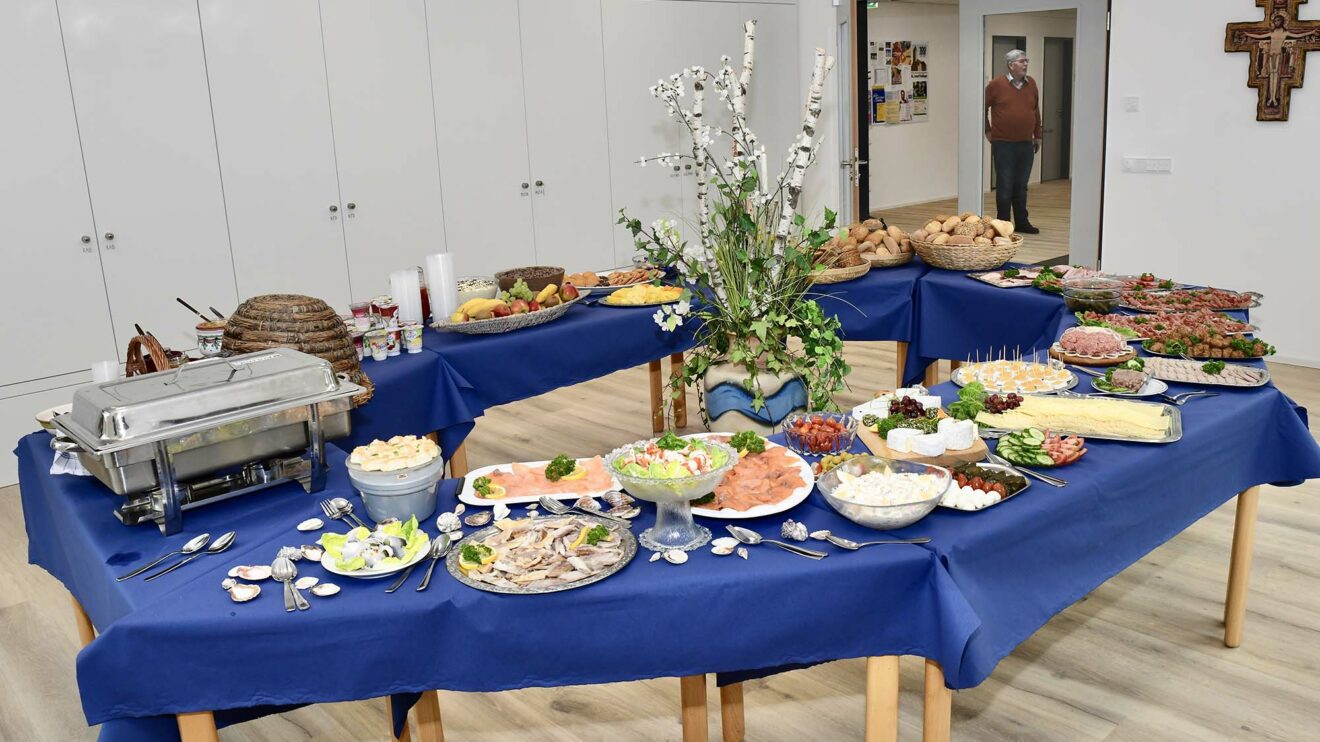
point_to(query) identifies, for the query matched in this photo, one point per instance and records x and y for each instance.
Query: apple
(551, 301)
(519, 306)
(501, 310)
(568, 292)
(533, 306)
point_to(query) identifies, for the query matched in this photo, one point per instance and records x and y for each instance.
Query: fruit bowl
(506, 324)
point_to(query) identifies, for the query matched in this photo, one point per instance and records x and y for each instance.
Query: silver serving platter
(603, 290)
(1198, 358)
(996, 467)
(624, 535)
(1255, 302)
(1264, 374)
(956, 378)
(1172, 412)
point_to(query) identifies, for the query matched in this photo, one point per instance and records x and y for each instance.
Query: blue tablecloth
(958, 317)
(179, 644)
(877, 306)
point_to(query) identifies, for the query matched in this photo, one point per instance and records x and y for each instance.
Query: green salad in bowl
(391, 546)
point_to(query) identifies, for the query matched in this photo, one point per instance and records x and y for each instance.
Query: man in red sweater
(1012, 124)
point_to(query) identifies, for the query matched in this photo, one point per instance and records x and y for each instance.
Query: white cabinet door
(55, 318)
(566, 131)
(477, 78)
(384, 128)
(641, 46)
(277, 156)
(139, 89)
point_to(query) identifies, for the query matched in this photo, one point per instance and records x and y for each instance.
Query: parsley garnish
(559, 468)
(671, 442)
(597, 534)
(748, 441)
(482, 486)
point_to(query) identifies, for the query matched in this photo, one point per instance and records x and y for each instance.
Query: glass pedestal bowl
(674, 527)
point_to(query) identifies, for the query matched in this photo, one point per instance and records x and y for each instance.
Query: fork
(334, 513)
(1182, 399)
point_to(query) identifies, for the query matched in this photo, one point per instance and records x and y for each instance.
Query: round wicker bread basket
(303, 323)
(967, 257)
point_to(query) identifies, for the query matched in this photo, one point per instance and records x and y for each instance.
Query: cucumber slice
(1034, 435)
(1043, 459)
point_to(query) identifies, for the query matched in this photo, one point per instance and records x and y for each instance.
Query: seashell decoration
(627, 512)
(305, 583)
(500, 511)
(311, 524)
(292, 553)
(459, 509)
(448, 522)
(820, 535)
(616, 499)
(587, 503)
(721, 550)
(312, 552)
(742, 551)
(325, 589)
(252, 573)
(228, 583)
(655, 556)
(242, 592)
(676, 556)
(387, 522)
(793, 531)
(478, 519)
(725, 542)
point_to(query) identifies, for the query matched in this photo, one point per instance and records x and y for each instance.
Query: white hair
(1014, 56)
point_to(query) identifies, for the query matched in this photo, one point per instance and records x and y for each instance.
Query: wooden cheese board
(877, 446)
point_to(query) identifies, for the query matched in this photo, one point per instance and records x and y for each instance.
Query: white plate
(469, 493)
(45, 416)
(788, 503)
(1152, 387)
(328, 562)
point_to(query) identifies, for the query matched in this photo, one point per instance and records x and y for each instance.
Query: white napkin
(68, 463)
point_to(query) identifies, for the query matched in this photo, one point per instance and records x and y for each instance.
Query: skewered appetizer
(1022, 377)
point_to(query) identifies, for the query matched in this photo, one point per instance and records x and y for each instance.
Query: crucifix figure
(1278, 45)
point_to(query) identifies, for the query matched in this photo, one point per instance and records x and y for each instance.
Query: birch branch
(806, 145)
(740, 86)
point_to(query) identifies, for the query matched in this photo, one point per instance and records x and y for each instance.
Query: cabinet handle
(334, 208)
(109, 240)
(526, 186)
(540, 183)
(351, 205)
(86, 240)
(687, 167)
(109, 235)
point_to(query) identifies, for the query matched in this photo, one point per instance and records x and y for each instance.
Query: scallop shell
(325, 589)
(676, 556)
(312, 552)
(587, 503)
(311, 524)
(628, 512)
(448, 522)
(820, 535)
(500, 511)
(459, 509)
(228, 583)
(478, 519)
(725, 542)
(742, 551)
(793, 530)
(242, 592)
(292, 553)
(617, 499)
(655, 556)
(721, 550)
(252, 573)
(454, 536)
(305, 583)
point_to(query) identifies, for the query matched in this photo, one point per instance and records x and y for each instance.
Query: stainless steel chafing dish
(210, 430)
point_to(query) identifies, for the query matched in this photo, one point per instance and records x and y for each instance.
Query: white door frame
(1090, 63)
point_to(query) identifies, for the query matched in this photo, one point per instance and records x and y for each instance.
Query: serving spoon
(220, 544)
(851, 545)
(751, 537)
(195, 544)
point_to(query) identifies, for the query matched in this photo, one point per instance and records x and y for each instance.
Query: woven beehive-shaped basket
(303, 323)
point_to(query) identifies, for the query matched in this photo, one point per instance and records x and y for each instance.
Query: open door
(854, 173)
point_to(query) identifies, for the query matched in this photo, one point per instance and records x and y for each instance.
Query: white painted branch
(805, 146)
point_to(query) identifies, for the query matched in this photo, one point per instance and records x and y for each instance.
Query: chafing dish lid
(190, 398)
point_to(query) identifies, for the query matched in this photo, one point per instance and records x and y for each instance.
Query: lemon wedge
(577, 473)
(581, 539)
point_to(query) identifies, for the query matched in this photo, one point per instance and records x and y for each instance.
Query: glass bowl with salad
(671, 471)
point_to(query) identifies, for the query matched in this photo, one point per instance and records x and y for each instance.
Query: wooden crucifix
(1278, 45)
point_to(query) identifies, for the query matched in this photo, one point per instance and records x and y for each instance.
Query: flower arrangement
(748, 270)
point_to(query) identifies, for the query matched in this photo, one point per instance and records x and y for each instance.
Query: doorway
(1056, 108)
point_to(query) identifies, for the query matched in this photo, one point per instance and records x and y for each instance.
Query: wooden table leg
(680, 402)
(657, 400)
(953, 366)
(429, 727)
(882, 699)
(900, 360)
(458, 465)
(406, 735)
(1239, 565)
(692, 694)
(732, 721)
(932, 375)
(937, 723)
(86, 631)
(198, 726)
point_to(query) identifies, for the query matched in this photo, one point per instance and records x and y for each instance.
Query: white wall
(913, 163)
(1034, 27)
(1252, 183)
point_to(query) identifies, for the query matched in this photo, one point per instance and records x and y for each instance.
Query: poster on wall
(899, 74)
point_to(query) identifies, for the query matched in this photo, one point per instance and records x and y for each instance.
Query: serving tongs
(1046, 478)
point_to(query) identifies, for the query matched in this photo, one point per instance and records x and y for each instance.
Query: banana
(483, 309)
(469, 304)
(546, 293)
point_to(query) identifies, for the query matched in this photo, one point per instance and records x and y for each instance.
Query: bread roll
(905, 245)
(895, 232)
(941, 218)
(920, 234)
(872, 224)
(934, 226)
(1002, 241)
(941, 239)
(866, 246)
(950, 223)
(982, 240)
(859, 233)
(1002, 228)
(960, 239)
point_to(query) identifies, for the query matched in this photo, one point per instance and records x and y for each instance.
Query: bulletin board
(898, 78)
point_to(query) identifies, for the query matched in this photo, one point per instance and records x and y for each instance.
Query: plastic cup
(361, 314)
(392, 340)
(378, 344)
(210, 337)
(412, 336)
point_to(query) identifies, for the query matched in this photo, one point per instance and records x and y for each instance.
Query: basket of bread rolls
(840, 259)
(966, 242)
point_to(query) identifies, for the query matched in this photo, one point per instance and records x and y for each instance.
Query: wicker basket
(509, 323)
(967, 257)
(839, 275)
(885, 260)
(300, 322)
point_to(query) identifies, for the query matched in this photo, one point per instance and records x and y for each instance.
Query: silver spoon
(196, 543)
(346, 507)
(559, 508)
(438, 549)
(220, 544)
(752, 537)
(282, 570)
(844, 543)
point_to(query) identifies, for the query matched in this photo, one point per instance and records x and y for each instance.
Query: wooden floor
(1048, 203)
(1139, 659)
